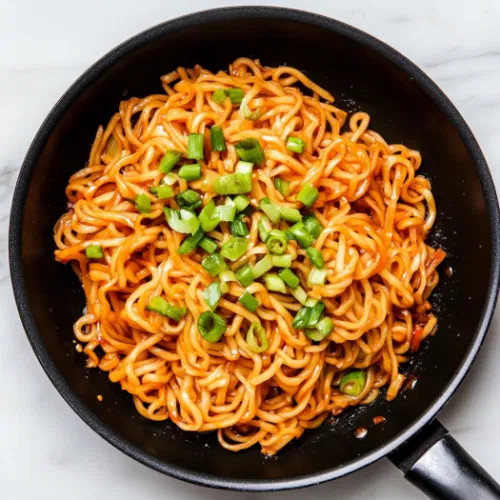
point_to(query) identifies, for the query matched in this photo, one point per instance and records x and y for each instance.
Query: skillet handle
(436, 464)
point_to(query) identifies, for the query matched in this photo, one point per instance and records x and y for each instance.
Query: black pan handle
(436, 464)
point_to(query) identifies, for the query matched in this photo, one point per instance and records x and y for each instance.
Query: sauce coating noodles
(376, 213)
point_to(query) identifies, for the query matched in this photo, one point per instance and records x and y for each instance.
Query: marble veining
(47, 452)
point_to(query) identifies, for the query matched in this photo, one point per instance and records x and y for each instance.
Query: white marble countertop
(47, 451)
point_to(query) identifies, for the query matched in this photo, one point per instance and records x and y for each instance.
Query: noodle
(376, 213)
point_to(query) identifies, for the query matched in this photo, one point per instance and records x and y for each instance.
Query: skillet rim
(86, 80)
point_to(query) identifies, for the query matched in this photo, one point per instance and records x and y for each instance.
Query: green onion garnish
(300, 294)
(277, 242)
(241, 202)
(282, 260)
(190, 172)
(282, 186)
(289, 235)
(271, 210)
(246, 113)
(233, 184)
(321, 330)
(308, 195)
(217, 138)
(300, 233)
(250, 150)
(209, 217)
(316, 313)
(182, 221)
(225, 277)
(195, 147)
(316, 257)
(301, 318)
(163, 192)
(214, 264)
(236, 95)
(208, 244)
(262, 344)
(170, 179)
(189, 199)
(234, 248)
(313, 225)
(226, 213)
(311, 302)
(265, 227)
(239, 227)
(143, 204)
(262, 267)
(219, 96)
(290, 278)
(295, 144)
(169, 161)
(94, 252)
(274, 283)
(161, 306)
(290, 214)
(191, 242)
(353, 383)
(211, 326)
(212, 294)
(317, 277)
(248, 301)
(245, 275)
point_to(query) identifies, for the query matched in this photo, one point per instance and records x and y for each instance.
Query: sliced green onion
(289, 235)
(241, 202)
(295, 144)
(234, 248)
(239, 227)
(262, 267)
(244, 167)
(246, 113)
(248, 301)
(170, 179)
(282, 186)
(211, 326)
(143, 204)
(245, 275)
(322, 330)
(219, 96)
(191, 242)
(317, 277)
(265, 227)
(250, 150)
(225, 277)
(209, 217)
(270, 209)
(195, 147)
(300, 294)
(262, 344)
(226, 213)
(353, 383)
(274, 283)
(277, 242)
(169, 161)
(208, 244)
(163, 192)
(311, 302)
(308, 195)
(212, 294)
(233, 184)
(214, 264)
(189, 199)
(217, 138)
(290, 214)
(235, 94)
(313, 225)
(301, 318)
(282, 260)
(316, 313)
(161, 306)
(300, 233)
(94, 252)
(290, 278)
(182, 221)
(190, 172)
(316, 257)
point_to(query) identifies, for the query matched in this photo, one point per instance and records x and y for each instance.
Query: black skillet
(407, 107)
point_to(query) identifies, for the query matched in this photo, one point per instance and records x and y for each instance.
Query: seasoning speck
(99, 397)
(79, 347)
(448, 271)
(360, 432)
(378, 420)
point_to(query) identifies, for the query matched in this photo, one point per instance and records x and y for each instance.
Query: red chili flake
(416, 338)
(378, 420)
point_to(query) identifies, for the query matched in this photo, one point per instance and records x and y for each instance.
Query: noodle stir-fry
(253, 261)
